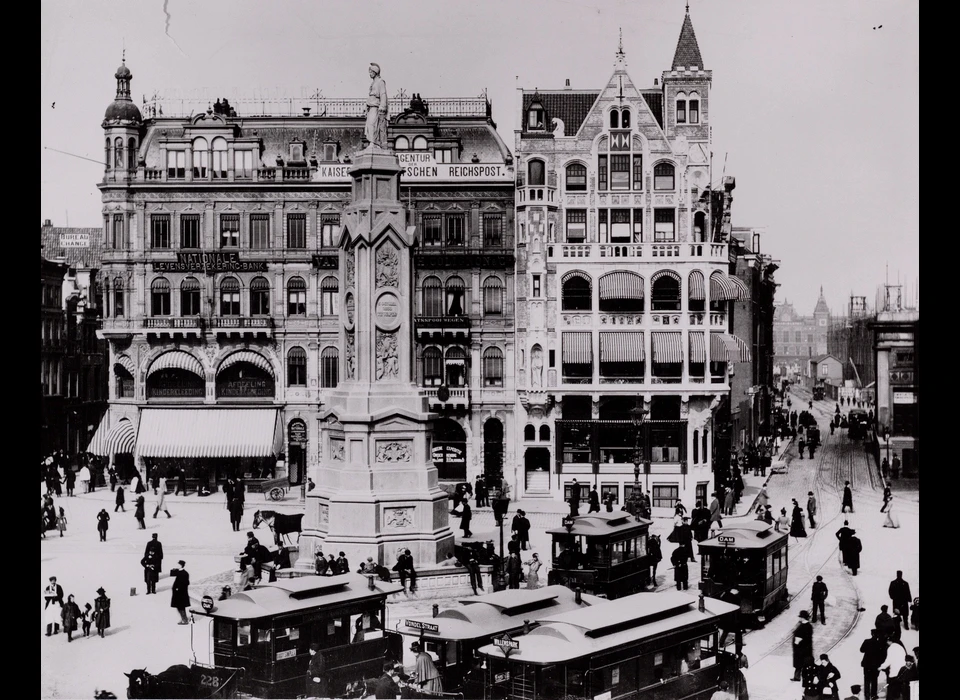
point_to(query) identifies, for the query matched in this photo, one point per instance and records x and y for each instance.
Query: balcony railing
(678, 251)
(459, 398)
(240, 322)
(173, 322)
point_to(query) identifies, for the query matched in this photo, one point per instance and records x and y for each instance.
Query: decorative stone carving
(337, 450)
(388, 365)
(351, 355)
(350, 305)
(351, 267)
(324, 514)
(536, 367)
(388, 266)
(398, 518)
(393, 452)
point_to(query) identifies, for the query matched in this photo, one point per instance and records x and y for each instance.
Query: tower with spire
(686, 88)
(121, 126)
(821, 319)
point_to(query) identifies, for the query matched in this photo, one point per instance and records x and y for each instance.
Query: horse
(279, 524)
(176, 682)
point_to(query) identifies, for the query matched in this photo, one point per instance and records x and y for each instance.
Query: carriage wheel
(276, 493)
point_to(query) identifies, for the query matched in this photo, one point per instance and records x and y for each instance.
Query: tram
(604, 554)
(751, 558)
(268, 632)
(647, 646)
(858, 422)
(453, 636)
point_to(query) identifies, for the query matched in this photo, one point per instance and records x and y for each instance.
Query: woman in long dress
(533, 575)
(797, 528)
(890, 519)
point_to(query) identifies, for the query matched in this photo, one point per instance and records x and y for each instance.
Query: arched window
(432, 297)
(455, 297)
(492, 297)
(693, 108)
(614, 119)
(118, 298)
(529, 433)
(576, 177)
(432, 367)
(706, 457)
(219, 158)
(455, 366)
(200, 158)
(536, 173)
(420, 143)
(681, 108)
(330, 296)
(131, 153)
(493, 367)
(230, 297)
(700, 227)
(544, 433)
(160, 297)
(696, 447)
(625, 119)
(297, 367)
(259, 297)
(296, 297)
(665, 293)
(106, 153)
(663, 176)
(576, 294)
(401, 144)
(329, 368)
(118, 152)
(190, 297)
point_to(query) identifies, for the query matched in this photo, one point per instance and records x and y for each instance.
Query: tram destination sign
(210, 263)
(726, 539)
(425, 626)
(506, 644)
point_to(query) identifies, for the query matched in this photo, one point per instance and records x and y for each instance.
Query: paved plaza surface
(145, 632)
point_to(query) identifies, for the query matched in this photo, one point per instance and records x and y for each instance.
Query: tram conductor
(317, 685)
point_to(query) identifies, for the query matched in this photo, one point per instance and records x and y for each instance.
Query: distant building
(799, 338)
(823, 369)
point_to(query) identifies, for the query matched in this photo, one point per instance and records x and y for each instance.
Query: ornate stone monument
(377, 489)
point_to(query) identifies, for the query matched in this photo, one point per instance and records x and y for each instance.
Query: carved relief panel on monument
(350, 267)
(388, 364)
(394, 451)
(351, 355)
(388, 266)
(398, 518)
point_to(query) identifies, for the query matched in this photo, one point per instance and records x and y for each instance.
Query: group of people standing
(68, 615)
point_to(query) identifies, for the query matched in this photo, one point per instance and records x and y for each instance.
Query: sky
(814, 104)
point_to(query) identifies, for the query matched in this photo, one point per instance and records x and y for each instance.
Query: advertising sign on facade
(427, 170)
(74, 240)
(209, 262)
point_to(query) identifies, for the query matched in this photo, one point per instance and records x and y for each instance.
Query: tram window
(223, 631)
(263, 635)
(598, 554)
(243, 634)
(690, 656)
(708, 650)
(451, 655)
(641, 546)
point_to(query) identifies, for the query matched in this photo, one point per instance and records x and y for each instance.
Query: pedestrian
(317, 683)
(70, 479)
(887, 495)
(594, 501)
(796, 523)
(811, 447)
(728, 503)
(113, 478)
(53, 605)
(827, 677)
(456, 497)
(833, 426)
(84, 478)
(180, 594)
(120, 500)
(405, 568)
(847, 504)
(655, 556)
(155, 547)
(162, 499)
(103, 524)
(386, 687)
(818, 597)
(899, 591)
(891, 519)
(136, 484)
(715, 507)
(800, 445)
(681, 572)
(514, 570)
(86, 620)
(763, 500)
(811, 509)
(533, 571)
(685, 536)
(895, 660)
(679, 509)
(608, 502)
(894, 468)
(915, 617)
(723, 692)
(843, 537)
(139, 511)
(181, 482)
(887, 626)
(854, 547)
(574, 499)
(425, 672)
(466, 515)
(343, 564)
(62, 521)
(235, 508)
(802, 644)
(151, 572)
(907, 674)
(480, 491)
(101, 612)
(874, 652)
(473, 570)
(700, 522)
(70, 616)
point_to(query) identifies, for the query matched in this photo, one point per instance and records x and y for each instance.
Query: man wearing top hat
(317, 685)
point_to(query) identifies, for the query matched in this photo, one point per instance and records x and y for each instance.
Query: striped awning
(126, 362)
(743, 294)
(209, 432)
(120, 439)
(621, 285)
(744, 348)
(727, 288)
(578, 348)
(724, 348)
(698, 347)
(697, 288)
(625, 346)
(177, 360)
(248, 356)
(667, 347)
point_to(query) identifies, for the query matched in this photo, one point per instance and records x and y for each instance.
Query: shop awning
(727, 288)
(578, 348)
(626, 346)
(698, 347)
(697, 289)
(621, 285)
(728, 348)
(667, 347)
(248, 356)
(177, 360)
(126, 362)
(209, 432)
(119, 439)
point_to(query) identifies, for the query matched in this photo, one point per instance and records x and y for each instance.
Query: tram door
(203, 639)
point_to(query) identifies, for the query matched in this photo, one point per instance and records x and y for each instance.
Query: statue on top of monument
(377, 108)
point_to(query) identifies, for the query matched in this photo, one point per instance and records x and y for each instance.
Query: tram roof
(750, 534)
(298, 594)
(603, 523)
(483, 616)
(582, 633)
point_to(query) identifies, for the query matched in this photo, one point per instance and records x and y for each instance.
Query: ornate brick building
(798, 339)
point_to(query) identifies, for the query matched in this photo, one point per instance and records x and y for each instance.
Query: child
(62, 522)
(86, 619)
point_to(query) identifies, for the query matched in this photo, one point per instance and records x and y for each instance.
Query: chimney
(306, 111)
(579, 596)
(526, 626)
(436, 610)
(568, 84)
(656, 81)
(47, 223)
(701, 606)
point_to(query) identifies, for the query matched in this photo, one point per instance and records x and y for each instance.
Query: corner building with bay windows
(624, 297)
(222, 289)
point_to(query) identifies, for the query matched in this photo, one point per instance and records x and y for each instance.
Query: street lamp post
(634, 504)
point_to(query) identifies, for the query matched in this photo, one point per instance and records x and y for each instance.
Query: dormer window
(330, 152)
(536, 115)
(296, 152)
(401, 144)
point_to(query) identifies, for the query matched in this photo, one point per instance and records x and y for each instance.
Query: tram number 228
(208, 681)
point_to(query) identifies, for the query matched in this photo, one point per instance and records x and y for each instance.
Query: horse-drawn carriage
(182, 681)
(280, 524)
(274, 489)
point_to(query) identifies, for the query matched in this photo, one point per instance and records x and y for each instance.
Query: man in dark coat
(317, 683)
(155, 547)
(656, 556)
(514, 570)
(874, 652)
(700, 522)
(843, 536)
(574, 499)
(818, 596)
(522, 527)
(385, 686)
(235, 507)
(180, 596)
(685, 537)
(594, 501)
(466, 515)
(886, 625)
(847, 499)
(681, 573)
(899, 591)
(181, 482)
(151, 571)
(854, 547)
(480, 491)
(405, 568)
(101, 611)
(251, 556)
(802, 644)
